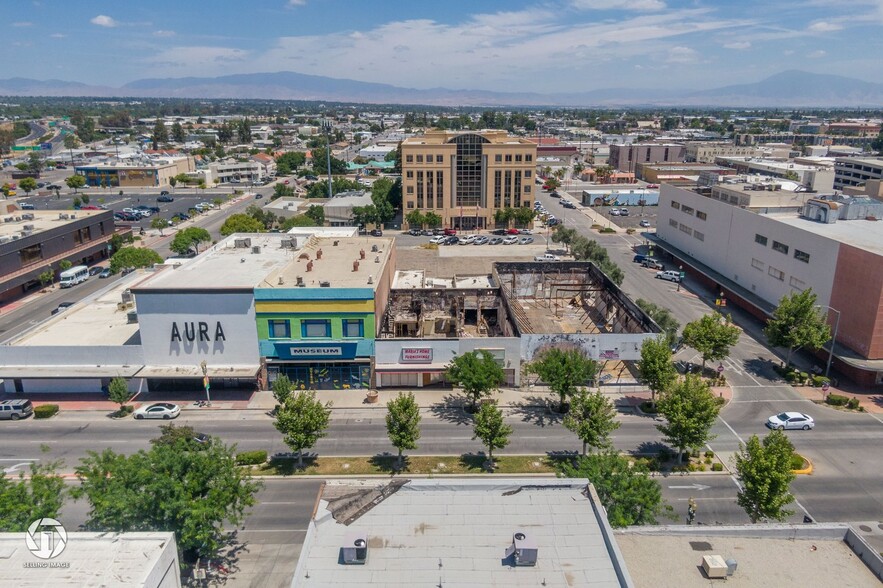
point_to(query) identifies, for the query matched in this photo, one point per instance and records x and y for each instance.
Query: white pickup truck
(546, 257)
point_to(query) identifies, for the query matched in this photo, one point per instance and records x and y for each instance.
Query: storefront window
(353, 328)
(315, 328)
(280, 329)
(327, 376)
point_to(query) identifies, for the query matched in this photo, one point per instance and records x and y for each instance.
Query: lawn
(423, 464)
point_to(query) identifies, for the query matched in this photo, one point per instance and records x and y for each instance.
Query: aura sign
(196, 331)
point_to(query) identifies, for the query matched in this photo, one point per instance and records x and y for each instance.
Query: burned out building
(518, 311)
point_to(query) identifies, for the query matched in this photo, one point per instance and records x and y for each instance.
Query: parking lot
(633, 219)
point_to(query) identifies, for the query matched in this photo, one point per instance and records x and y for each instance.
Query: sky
(550, 46)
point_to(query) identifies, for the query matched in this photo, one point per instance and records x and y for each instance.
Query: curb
(807, 471)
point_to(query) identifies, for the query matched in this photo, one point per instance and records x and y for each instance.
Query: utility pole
(326, 125)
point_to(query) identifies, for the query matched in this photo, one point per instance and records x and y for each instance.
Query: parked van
(74, 276)
(670, 275)
(12, 410)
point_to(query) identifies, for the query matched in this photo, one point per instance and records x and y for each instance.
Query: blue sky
(556, 45)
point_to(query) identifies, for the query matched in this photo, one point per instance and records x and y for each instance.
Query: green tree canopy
(160, 133)
(415, 219)
(338, 185)
(403, 422)
(195, 494)
(627, 492)
(797, 322)
(118, 391)
(302, 420)
(189, 238)
(690, 410)
(565, 371)
(134, 257)
(765, 476)
(316, 214)
(241, 223)
(75, 182)
(159, 223)
(656, 366)
(178, 132)
(712, 336)
(320, 163)
(491, 430)
(28, 185)
(27, 498)
(662, 317)
(592, 418)
(477, 372)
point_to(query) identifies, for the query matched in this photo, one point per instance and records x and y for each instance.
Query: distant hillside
(786, 89)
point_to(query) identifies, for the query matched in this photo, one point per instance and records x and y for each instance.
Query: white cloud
(823, 26)
(739, 45)
(682, 55)
(104, 21)
(297, 2)
(22, 24)
(636, 5)
(164, 33)
(197, 60)
(817, 54)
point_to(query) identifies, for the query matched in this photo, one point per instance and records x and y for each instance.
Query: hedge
(251, 457)
(836, 400)
(45, 411)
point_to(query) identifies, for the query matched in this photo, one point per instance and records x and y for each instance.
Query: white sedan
(160, 410)
(510, 240)
(790, 420)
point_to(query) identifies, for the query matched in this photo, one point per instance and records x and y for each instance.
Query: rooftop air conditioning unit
(73, 216)
(354, 550)
(5, 239)
(27, 216)
(132, 317)
(28, 227)
(26, 233)
(324, 284)
(8, 219)
(241, 243)
(524, 548)
(256, 249)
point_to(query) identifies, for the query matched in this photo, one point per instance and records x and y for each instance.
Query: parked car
(670, 275)
(525, 231)
(258, 196)
(165, 199)
(510, 240)
(555, 195)
(498, 232)
(614, 212)
(160, 410)
(790, 420)
(164, 193)
(105, 273)
(376, 233)
(53, 187)
(126, 271)
(552, 222)
(481, 240)
(468, 240)
(89, 207)
(568, 204)
(426, 232)
(27, 206)
(525, 240)
(652, 263)
(95, 270)
(438, 231)
(414, 232)
(450, 231)
(546, 257)
(623, 212)
(438, 239)
(644, 223)
(652, 186)
(13, 410)
(62, 306)
(512, 231)
(452, 240)
(639, 258)
(495, 241)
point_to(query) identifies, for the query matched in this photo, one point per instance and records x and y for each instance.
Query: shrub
(796, 462)
(708, 460)
(630, 231)
(852, 403)
(648, 407)
(694, 453)
(664, 454)
(45, 411)
(717, 467)
(251, 457)
(836, 400)
(607, 230)
(597, 227)
(819, 381)
(709, 453)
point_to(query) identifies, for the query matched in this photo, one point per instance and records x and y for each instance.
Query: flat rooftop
(95, 559)
(658, 560)
(863, 234)
(43, 220)
(455, 532)
(100, 319)
(417, 279)
(336, 264)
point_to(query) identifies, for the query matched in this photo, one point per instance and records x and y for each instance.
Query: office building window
(701, 215)
(687, 209)
(780, 247)
(353, 328)
(797, 284)
(30, 254)
(518, 158)
(685, 229)
(507, 189)
(429, 158)
(527, 173)
(517, 189)
(527, 188)
(410, 204)
(498, 158)
(508, 158)
(699, 236)
(439, 189)
(801, 256)
(315, 328)
(672, 223)
(410, 174)
(778, 274)
(419, 159)
(279, 329)
(409, 190)
(760, 239)
(420, 188)
(675, 205)
(498, 189)
(758, 264)
(439, 158)
(409, 159)
(528, 157)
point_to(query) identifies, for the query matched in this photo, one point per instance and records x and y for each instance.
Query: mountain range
(791, 88)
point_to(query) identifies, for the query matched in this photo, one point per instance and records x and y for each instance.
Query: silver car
(160, 410)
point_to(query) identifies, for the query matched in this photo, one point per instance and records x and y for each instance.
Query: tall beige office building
(465, 177)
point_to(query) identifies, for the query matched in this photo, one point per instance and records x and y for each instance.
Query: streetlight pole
(204, 367)
(326, 125)
(833, 339)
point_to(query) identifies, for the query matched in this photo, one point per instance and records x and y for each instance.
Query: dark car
(376, 233)
(258, 197)
(498, 232)
(95, 270)
(414, 232)
(62, 306)
(311, 178)
(452, 240)
(27, 206)
(183, 216)
(165, 199)
(164, 193)
(639, 258)
(60, 166)
(555, 195)
(105, 273)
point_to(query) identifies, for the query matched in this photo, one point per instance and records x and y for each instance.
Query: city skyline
(560, 46)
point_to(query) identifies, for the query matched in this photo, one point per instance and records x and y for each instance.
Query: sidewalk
(872, 403)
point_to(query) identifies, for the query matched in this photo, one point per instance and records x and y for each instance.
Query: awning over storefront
(186, 371)
(10, 372)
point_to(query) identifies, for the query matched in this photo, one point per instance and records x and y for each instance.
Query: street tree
(159, 223)
(195, 494)
(564, 235)
(797, 322)
(28, 185)
(477, 372)
(403, 423)
(662, 317)
(178, 132)
(765, 476)
(281, 190)
(316, 214)
(75, 182)
(160, 133)
(689, 409)
(415, 219)
(302, 420)
(71, 142)
(134, 257)
(592, 418)
(282, 388)
(656, 366)
(432, 220)
(65, 264)
(627, 492)
(33, 495)
(712, 336)
(241, 223)
(189, 238)
(565, 371)
(118, 392)
(46, 278)
(36, 163)
(491, 430)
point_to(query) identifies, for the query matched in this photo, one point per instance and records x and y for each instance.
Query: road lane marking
(699, 487)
